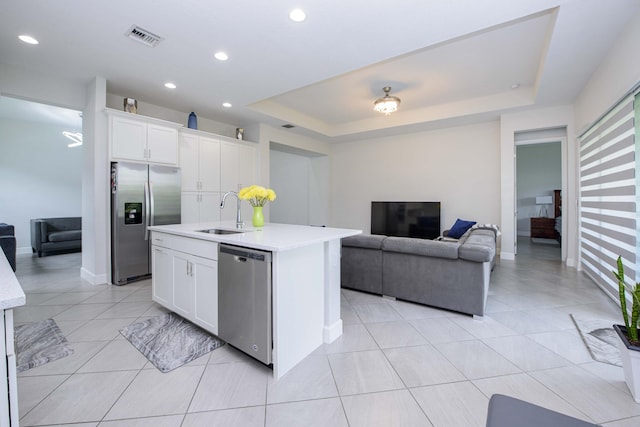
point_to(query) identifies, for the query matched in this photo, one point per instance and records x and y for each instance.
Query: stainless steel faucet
(239, 221)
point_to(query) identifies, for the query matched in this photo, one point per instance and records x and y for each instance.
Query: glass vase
(258, 217)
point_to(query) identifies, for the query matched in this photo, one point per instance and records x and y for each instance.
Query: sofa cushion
(459, 228)
(431, 248)
(364, 241)
(65, 236)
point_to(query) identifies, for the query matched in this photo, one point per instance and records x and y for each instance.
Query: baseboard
(94, 279)
(332, 332)
(508, 256)
(24, 250)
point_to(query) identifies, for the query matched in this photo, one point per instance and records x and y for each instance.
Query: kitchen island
(305, 280)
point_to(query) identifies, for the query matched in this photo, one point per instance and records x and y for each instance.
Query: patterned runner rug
(38, 343)
(169, 341)
(601, 340)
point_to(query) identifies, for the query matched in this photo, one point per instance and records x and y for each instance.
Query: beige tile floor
(397, 364)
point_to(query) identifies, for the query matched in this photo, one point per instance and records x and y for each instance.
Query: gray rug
(601, 340)
(38, 343)
(169, 341)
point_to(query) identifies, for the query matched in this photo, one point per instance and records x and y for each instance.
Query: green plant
(632, 326)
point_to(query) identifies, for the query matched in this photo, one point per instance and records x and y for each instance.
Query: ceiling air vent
(143, 36)
(288, 126)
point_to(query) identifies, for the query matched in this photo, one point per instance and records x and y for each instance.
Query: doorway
(539, 183)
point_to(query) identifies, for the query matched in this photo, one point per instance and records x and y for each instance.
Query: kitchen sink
(221, 231)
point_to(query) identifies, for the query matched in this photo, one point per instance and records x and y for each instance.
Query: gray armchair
(56, 235)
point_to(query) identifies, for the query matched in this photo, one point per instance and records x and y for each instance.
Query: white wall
(302, 183)
(539, 172)
(40, 175)
(290, 175)
(617, 74)
(320, 178)
(460, 167)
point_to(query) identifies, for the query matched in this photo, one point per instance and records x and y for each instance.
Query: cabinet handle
(149, 153)
(189, 268)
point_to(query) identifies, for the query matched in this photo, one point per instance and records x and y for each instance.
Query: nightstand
(543, 228)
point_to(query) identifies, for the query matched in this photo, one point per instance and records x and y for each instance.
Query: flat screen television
(406, 219)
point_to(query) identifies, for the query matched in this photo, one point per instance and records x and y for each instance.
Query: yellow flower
(257, 195)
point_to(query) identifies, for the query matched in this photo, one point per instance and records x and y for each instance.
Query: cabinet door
(209, 164)
(247, 165)
(190, 207)
(162, 276)
(189, 162)
(162, 144)
(228, 167)
(128, 139)
(206, 293)
(183, 285)
(209, 207)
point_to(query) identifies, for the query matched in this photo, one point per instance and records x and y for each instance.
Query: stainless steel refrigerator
(141, 195)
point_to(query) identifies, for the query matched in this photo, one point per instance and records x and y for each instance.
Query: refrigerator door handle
(152, 205)
(147, 210)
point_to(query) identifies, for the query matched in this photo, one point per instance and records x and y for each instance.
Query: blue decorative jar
(193, 121)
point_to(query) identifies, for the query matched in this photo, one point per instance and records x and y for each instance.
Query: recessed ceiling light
(226, 105)
(297, 15)
(28, 39)
(170, 85)
(221, 56)
(515, 86)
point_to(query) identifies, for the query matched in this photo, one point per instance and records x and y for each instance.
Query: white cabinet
(200, 162)
(200, 165)
(142, 138)
(185, 278)
(183, 285)
(238, 169)
(162, 273)
(205, 273)
(238, 165)
(200, 207)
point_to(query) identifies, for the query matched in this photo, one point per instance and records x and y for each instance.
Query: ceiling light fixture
(221, 56)
(297, 15)
(387, 104)
(170, 85)
(28, 39)
(226, 105)
(75, 137)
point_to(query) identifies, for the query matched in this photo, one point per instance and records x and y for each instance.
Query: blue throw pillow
(459, 228)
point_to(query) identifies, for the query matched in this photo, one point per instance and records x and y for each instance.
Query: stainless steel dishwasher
(244, 300)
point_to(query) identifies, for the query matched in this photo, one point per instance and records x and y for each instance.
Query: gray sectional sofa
(56, 235)
(453, 274)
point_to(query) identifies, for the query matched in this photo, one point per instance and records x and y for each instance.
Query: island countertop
(11, 293)
(272, 237)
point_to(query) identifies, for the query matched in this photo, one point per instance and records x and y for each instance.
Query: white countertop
(11, 294)
(272, 237)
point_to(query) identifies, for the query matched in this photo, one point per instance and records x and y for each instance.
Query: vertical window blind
(608, 196)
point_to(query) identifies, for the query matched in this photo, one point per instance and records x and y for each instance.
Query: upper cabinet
(140, 138)
(200, 162)
(238, 164)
